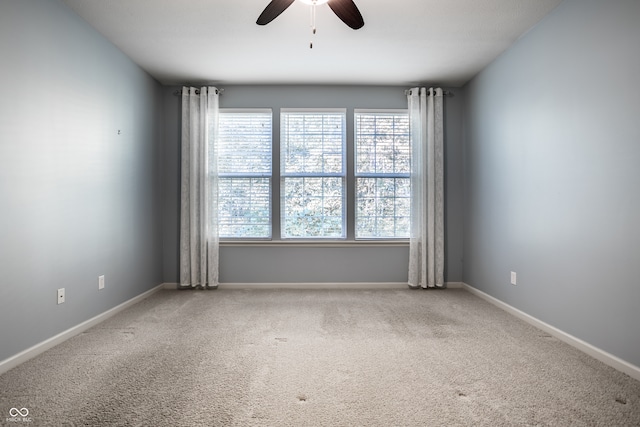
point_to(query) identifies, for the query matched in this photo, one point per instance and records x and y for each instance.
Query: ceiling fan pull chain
(313, 17)
(313, 23)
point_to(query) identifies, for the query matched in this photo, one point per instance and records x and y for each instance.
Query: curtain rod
(444, 92)
(179, 92)
(406, 92)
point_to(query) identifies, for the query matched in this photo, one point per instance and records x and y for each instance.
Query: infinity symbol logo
(14, 412)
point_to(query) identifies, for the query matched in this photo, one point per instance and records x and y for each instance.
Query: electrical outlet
(514, 280)
(100, 282)
(60, 295)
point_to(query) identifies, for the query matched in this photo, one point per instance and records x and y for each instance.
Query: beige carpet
(317, 358)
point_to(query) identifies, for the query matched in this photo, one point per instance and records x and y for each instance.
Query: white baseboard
(37, 349)
(601, 355)
(346, 285)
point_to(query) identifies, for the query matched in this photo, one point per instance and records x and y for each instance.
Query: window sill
(317, 243)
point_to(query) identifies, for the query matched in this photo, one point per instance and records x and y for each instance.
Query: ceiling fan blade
(348, 12)
(273, 9)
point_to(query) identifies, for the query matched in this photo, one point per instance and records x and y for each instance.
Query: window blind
(244, 164)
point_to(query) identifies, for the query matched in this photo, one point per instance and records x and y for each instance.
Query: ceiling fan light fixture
(314, 2)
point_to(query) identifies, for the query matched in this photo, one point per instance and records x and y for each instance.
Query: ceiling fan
(346, 10)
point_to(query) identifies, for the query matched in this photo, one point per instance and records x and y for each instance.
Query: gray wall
(552, 157)
(285, 264)
(77, 200)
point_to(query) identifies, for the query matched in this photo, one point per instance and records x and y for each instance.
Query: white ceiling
(403, 41)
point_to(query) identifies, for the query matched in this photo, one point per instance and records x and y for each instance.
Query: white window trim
(349, 174)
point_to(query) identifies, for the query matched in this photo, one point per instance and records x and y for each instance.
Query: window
(382, 173)
(315, 189)
(244, 164)
(313, 173)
